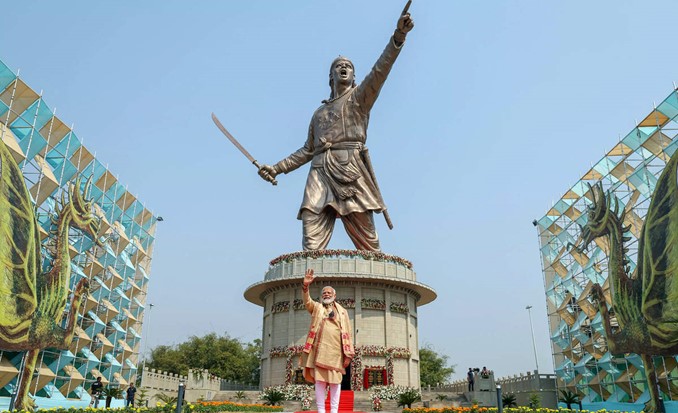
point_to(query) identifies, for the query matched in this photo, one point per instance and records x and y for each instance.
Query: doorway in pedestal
(346, 380)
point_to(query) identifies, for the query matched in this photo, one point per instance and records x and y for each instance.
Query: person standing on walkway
(96, 389)
(470, 378)
(131, 392)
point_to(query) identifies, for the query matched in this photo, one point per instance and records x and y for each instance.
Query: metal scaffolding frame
(629, 171)
(106, 340)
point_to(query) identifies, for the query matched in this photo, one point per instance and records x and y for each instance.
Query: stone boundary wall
(200, 384)
(522, 385)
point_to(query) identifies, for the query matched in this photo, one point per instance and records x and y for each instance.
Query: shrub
(406, 398)
(272, 396)
(508, 400)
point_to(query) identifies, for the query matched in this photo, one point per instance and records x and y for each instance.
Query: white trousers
(320, 392)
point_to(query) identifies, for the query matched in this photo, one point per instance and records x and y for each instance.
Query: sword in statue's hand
(237, 144)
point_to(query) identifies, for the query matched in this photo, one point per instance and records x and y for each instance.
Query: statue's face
(342, 72)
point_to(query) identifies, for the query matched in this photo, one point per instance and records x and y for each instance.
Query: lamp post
(500, 405)
(180, 395)
(534, 345)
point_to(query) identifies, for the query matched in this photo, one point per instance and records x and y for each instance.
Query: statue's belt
(338, 146)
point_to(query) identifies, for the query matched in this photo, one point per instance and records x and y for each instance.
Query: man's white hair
(327, 286)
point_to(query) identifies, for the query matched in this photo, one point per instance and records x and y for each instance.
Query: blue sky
(493, 110)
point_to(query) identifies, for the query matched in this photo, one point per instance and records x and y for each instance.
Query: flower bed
(379, 393)
(389, 392)
(522, 409)
(292, 391)
(199, 407)
(214, 407)
(367, 255)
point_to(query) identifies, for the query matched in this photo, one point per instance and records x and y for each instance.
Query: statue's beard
(328, 301)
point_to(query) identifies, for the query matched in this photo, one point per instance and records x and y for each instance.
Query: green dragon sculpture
(32, 303)
(645, 305)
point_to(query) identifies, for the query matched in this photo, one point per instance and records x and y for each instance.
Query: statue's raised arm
(368, 90)
(341, 182)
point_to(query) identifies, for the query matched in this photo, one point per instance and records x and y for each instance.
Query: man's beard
(328, 301)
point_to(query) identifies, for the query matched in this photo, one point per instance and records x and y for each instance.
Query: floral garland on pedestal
(356, 367)
(402, 308)
(280, 307)
(367, 255)
(346, 302)
(289, 353)
(373, 304)
(356, 364)
(390, 353)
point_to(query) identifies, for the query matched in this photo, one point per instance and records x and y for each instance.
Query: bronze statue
(341, 182)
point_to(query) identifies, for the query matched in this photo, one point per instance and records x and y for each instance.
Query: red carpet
(345, 402)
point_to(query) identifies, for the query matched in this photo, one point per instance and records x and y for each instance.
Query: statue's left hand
(405, 23)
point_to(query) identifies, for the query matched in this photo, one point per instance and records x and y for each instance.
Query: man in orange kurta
(328, 349)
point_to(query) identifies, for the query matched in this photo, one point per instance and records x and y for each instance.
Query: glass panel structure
(106, 341)
(582, 361)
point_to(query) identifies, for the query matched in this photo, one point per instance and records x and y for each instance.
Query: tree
(223, 356)
(142, 398)
(112, 393)
(535, 401)
(568, 398)
(433, 367)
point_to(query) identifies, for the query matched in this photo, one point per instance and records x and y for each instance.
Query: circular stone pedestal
(381, 295)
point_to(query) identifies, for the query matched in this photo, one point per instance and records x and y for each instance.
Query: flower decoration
(288, 353)
(291, 391)
(373, 304)
(376, 404)
(346, 302)
(306, 403)
(390, 392)
(390, 353)
(402, 308)
(280, 307)
(367, 255)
